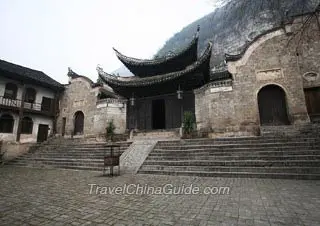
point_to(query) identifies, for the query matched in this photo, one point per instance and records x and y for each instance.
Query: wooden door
(312, 96)
(272, 106)
(42, 133)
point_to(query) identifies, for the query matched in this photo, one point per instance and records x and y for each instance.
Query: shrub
(188, 122)
(110, 130)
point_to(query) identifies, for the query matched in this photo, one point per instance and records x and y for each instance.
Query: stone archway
(78, 123)
(272, 106)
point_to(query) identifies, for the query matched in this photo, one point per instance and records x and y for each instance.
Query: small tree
(110, 130)
(188, 122)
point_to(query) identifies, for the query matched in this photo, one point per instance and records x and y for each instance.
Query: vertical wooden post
(55, 110)
(21, 113)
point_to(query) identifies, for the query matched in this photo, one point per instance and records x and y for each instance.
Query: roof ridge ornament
(71, 73)
(99, 68)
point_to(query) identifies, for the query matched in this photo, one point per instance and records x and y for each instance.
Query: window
(46, 104)
(30, 96)
(11, 91)
(27, 125)
(6, 123)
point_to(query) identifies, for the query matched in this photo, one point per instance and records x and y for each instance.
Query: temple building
(163, 88)
(273, 81)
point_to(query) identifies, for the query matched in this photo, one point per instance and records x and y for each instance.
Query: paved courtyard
(62, 197)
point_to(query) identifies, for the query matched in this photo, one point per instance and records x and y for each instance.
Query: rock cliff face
(237, 23)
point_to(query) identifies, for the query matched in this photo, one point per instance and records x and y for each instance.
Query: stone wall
(12, 150)
(272, 59)
(79, 95)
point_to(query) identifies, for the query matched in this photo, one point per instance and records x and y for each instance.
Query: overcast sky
(52, 35)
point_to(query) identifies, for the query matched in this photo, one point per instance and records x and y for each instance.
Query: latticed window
(27, 125)
(6, 123)
(10, 91)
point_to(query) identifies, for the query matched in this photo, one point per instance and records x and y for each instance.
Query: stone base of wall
(12, 149)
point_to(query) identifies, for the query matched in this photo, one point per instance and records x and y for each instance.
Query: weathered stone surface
(62, 197)
(276, 58)
(79, 95)
(134, 156)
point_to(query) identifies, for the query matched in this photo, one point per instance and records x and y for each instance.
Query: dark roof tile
(29, 74)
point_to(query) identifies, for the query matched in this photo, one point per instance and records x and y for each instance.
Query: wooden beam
(21, 113)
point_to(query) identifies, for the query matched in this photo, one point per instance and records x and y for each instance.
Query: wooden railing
(35, 107)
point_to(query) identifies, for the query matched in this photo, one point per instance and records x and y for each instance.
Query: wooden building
(28, 103)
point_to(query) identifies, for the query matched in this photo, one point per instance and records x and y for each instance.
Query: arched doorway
(78, 123)
(272, 106)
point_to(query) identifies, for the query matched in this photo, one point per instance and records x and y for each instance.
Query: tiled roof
(24, 73)
(162, 65)
(157, 79)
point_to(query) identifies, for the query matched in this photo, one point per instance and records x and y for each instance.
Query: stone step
(227, 146)
(236, 174)
(63, 160)
(284, 169)
(85, 145)
(67, 148)
(65, 155)
(91, 168)
(237, 140)
(58, 163)
(80, 151)
(236, 149)
(231, 158)
(191, 154)
(252, 163)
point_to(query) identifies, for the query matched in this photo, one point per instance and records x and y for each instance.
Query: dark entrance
(42, 133)
(158, 114)
(78, 123)
(313, 103)
(272, 106)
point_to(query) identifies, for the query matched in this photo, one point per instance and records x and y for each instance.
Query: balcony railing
(32, 107)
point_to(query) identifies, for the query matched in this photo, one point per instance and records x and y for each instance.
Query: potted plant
(188, 124)
(110, 131)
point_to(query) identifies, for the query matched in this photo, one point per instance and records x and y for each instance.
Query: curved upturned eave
(144, 62)
(157, 79)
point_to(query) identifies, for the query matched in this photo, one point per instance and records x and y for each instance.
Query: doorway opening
(158, 114)
(42, 133)
(78, 123)
(272, 106)
(312, 96)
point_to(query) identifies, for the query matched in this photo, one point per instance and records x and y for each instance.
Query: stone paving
(62, 197)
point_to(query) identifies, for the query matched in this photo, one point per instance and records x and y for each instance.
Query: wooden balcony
(37, 108)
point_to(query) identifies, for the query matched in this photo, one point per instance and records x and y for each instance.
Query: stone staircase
(308, 129)
(80, 154)
(263, 157)
(172, 134)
